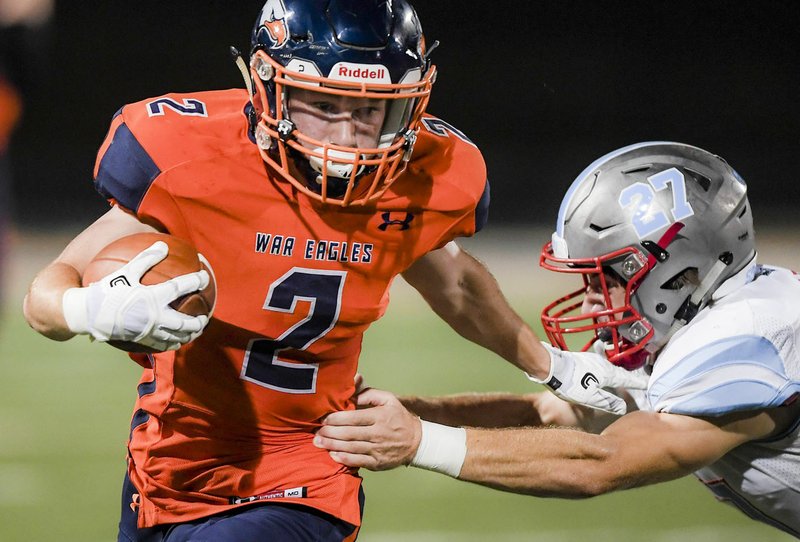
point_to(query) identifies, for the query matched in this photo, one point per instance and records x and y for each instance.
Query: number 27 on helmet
(654, 230)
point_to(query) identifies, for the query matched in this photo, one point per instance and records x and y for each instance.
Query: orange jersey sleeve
(228, 419)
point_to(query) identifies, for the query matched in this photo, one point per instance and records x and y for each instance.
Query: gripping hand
(580, 377)
(119, 308)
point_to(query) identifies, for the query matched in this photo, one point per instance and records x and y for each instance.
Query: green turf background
(65, 410)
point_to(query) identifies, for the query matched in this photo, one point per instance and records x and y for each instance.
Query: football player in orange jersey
(308, 193)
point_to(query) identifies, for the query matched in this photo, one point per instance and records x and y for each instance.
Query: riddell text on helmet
(349, 71)
(362, 73)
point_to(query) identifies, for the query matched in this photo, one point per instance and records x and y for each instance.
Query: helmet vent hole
(702, 180)
(598, 228)
(744, 210)
(637, 169)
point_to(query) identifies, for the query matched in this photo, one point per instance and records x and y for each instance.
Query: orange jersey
(229, 418)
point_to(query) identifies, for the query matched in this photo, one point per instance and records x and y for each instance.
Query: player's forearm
(466, 296)
(43, 303)
(547, 462)
(498, 328)
(477, 410)
(506, 334)
(475, 307)
(639, 449)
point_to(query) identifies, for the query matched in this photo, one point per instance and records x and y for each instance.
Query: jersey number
(444, 129)
(189, 107)
(639, 198)
(323, 291)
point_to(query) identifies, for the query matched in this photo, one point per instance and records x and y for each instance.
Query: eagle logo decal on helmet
(273, 18)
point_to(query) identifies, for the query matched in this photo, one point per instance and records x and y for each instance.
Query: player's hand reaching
(119, 308)
(582, 377)
(381, 434)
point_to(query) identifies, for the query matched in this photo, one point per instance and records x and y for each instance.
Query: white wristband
(441, 449)
(73, 307)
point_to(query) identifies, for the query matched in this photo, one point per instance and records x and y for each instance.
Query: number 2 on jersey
(323, 291)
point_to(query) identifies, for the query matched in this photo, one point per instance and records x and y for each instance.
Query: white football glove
(119, 308)
(579, 377)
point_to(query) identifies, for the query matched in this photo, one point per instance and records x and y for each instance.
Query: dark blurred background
(543, 87)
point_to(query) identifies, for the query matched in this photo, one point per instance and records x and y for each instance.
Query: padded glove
(581, 377)
(119, 308)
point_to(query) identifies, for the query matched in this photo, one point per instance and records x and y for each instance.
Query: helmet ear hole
(687, 277)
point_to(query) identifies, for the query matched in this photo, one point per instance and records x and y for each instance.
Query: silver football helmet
(668, 222)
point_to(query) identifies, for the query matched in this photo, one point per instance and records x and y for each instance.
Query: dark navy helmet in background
(357, 49)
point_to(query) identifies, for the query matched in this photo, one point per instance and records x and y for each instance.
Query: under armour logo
(587, 380)
(285, 128)
(136, 500)
(121, 280)
(388, 221)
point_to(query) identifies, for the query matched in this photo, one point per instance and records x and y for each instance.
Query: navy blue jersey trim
(126, 170)
(146, 388)
(139, 417)
(482, 210)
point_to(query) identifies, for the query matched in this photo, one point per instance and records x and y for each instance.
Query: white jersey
(739, 354)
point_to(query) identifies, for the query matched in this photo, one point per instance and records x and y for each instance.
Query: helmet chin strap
(694, 303)
(240, 63)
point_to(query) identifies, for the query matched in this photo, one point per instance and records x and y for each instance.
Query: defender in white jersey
(662, 237)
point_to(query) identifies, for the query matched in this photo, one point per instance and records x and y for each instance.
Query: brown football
(181, 259)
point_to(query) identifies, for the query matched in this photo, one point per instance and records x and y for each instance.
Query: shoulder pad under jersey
(453, 168)
(154, 135)
(737, 373)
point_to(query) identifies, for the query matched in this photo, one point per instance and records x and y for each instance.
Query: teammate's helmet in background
(370, 49)
(671, 222)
